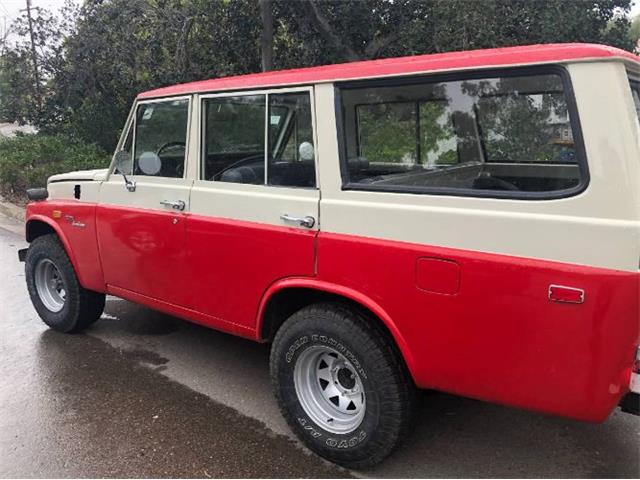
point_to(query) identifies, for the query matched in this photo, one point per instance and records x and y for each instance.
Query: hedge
(27, 161)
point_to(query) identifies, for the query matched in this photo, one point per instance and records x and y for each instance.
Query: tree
(266, 40)
(96, 58)
(634, 30)
(20, 90)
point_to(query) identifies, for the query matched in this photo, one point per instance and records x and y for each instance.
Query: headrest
(356, 164)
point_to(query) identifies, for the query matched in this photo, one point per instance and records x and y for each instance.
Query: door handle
(307, 222)
(174, 204)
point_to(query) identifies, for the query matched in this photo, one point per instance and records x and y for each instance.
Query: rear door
(141, 231)
(254, 204)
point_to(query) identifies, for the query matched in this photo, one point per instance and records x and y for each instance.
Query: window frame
(581, 156)
(266, 92)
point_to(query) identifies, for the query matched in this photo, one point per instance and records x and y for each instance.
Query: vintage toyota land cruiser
(466, 222)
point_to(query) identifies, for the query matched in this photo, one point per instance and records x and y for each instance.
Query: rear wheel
(341, 385)
(60, 300)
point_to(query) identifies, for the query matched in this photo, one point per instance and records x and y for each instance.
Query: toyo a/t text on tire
(341, 384)
(56, 294)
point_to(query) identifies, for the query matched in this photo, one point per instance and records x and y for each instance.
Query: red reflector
(560, 293)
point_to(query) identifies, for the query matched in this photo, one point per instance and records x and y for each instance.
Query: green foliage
(16, 88)
(634, 29)
(94, 59)
(387, 132)
(28, 160)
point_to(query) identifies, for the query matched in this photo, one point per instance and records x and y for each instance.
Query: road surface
(143, 394)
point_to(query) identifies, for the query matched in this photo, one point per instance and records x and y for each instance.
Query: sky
(10, 9)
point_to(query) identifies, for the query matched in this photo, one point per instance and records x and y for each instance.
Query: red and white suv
(467, 222)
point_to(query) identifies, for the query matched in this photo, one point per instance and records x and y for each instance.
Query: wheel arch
(287, 296)
(39, 225)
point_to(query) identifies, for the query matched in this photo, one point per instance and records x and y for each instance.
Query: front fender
(33, 218)
(75, 227)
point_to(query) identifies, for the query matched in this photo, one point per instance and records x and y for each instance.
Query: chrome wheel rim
(50, 286)
(329, 389)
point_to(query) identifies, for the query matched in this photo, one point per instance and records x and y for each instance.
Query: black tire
(389, 389)
(81, 308)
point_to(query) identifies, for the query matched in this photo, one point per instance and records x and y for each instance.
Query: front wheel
(341, 385)
(60, 300)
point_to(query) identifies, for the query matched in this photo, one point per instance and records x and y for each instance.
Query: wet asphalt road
(142, 394)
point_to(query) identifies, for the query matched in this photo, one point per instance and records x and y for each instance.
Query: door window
(264, 139)
(291, 157)
(161, 138)
(234, 139)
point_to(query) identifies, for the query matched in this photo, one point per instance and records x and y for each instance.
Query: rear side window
(503, 136)
(264, 139)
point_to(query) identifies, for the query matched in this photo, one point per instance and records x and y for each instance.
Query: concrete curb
(11, 217)
(10, 210)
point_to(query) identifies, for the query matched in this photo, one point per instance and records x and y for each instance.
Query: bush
(27, 161)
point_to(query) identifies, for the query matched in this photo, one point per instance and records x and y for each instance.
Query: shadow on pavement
(453, 436)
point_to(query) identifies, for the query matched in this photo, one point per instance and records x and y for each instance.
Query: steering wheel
(239, 163)
(169, 145)
(164, 146)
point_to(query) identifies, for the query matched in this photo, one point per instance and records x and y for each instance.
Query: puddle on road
(147, 357)
(99, 412)
(147, 322)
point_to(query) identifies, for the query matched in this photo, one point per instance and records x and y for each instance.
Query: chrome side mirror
(123, 165)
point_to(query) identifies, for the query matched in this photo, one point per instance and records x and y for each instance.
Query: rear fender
(348, 293)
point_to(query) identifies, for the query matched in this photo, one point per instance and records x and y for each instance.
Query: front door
(141, 229)
(254, 204)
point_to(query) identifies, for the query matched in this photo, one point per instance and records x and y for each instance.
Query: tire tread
(86, 305)
(391, 372)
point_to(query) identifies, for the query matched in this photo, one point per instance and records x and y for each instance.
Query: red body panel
(80, 242)
(475, 324)
(235, 262)
(500, 338)
(496, 57)
(183, 312)
(143, 251)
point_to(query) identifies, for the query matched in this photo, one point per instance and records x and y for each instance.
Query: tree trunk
(266, 40)
(329, 34)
